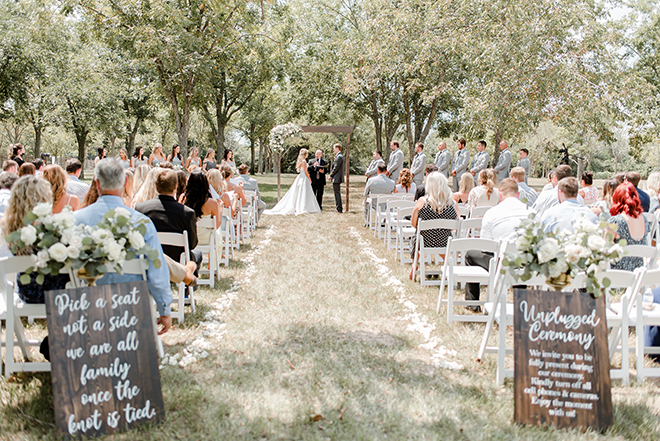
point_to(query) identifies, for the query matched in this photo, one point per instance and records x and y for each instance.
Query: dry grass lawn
(316, 347)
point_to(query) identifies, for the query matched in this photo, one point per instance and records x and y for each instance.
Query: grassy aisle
(320, 339)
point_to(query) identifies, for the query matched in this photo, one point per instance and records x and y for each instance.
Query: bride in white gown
(300, 198)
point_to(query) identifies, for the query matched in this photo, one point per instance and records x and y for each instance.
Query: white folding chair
(463, 210)
(470, 227)
(209, 252)
(180, 240)
(453, 273)
(652, 220)
(379, 203)
(14, 309)
(426, 255)
(644, 315)
(646, 252)
(225, 235)
(479, 211)
(617, 316)
(392, 221)
(404, 234)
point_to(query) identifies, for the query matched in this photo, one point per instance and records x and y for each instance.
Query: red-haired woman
(626, 213)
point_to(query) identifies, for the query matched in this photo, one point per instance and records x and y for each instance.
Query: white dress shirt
(563, 216)
(501, 221)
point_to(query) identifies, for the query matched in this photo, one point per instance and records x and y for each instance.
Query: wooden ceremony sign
(561, 360)
(104, 364)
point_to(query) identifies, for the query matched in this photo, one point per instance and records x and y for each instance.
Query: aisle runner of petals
(418, 322)
(197, 348)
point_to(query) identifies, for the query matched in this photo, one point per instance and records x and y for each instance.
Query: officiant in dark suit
(316, 170)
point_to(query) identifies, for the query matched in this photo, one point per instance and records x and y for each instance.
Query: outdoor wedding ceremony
(330, 219)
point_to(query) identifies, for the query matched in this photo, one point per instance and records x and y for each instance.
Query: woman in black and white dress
(436, 204)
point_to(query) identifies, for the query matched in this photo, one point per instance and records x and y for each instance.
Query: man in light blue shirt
(563, 216)
(526, 194)
(111, 178)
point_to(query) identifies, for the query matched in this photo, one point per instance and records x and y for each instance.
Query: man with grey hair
(110, 180)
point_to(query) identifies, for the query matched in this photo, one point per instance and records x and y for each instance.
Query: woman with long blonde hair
(127, 197)
(437, 203)
(464, 187)
(486, 194)
(299, 199)
(56, 177)
(148, 190)
(139, 177)
(26, 193)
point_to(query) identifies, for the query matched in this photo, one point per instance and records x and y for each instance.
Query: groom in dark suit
(316, 170)
(337, 175)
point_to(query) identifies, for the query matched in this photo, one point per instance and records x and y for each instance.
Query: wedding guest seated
(633, 177)
(379, 184)
(237, 189)
(7, 180)
(563, 216)
(74, 185)
(128, 189)
(465, 186)
(251, 184)
(436, 204)
(148, 189)
(588, 192)
(549, 199)
(27, 168)
(526, 194)
(602, 206)
(499, 223)
(218, 189)
(653, 190)
(549, 185)
(198, 198)
(38, 166)
(486, 194)
(405, 184)
(9, 166)
(430, 168)
(55, 176)
(627, 215)
(26, 193)
(139, 176)
(110, 180)
(169, 216)
(182, 180)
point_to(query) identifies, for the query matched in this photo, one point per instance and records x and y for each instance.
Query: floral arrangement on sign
(54, 240)
(589, 248)
(279, 135)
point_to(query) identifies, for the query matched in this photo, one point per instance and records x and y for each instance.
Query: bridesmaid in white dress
(300, 198)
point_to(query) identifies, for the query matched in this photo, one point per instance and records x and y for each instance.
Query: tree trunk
(38, 130)
(409, 128)
(130, 137)
(499, 136)
(251, 137)
(262, 145)
(278, 161)
(81, 137)
(378, 124)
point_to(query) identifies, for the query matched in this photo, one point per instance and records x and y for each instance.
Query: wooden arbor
(336, 129)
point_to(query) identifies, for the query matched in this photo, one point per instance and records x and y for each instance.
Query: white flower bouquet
(54, 241)
(279, 135)
(111, 242)
(589, 248)
(51, 239)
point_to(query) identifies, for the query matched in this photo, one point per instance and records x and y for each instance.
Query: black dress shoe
(475, 309)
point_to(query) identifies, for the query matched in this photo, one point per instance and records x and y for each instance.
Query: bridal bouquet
(54, 241)
(279, 135)
(589, 248)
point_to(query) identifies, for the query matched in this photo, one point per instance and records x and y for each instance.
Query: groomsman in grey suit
(480, 161)
(524, 162)
(337, 176)
(396, 162)
(442, 159)
(373, 167)
(459, 164)
(379, 184)
(418, 165)
(504, 162)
